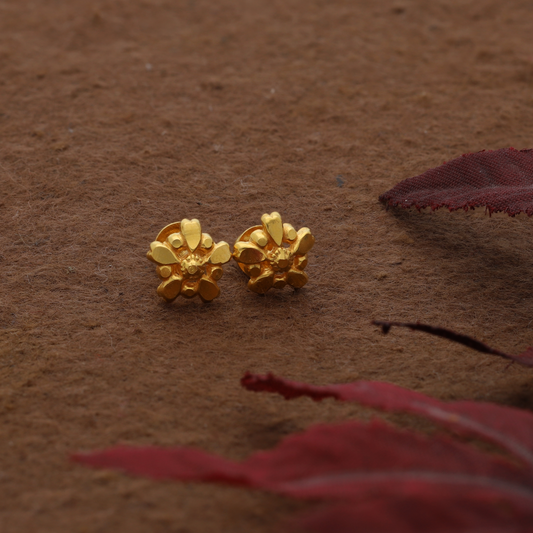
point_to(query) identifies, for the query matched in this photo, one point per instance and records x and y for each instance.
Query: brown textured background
(119, 117)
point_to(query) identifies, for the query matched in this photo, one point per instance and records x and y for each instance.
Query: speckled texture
(117, 118)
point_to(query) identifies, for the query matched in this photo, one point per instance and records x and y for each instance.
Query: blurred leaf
(372, 477)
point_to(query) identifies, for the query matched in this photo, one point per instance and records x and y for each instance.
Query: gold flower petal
(192, 231)
(297, 278)
(221, 253)
(207, 289)
(161, 254)
(248, 253)
(262, 283)
(304, 242)
(170, 288)
(274, 226)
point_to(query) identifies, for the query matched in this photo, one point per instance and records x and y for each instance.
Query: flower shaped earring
(273, 254)
(188, 262)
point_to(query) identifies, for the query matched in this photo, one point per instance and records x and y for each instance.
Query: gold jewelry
(273, 254)
(189, 262)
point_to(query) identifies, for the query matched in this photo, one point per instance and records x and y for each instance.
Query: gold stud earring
(273, 254)
(188, 261)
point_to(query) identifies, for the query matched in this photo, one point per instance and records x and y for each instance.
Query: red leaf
(374, 466)
(500, 180)
(377, 478)
(184, 464)
(332, 461)
(525, 358)
(428, 513)
(510, 428)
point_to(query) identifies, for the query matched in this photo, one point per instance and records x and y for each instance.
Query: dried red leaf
(427, 513)
(500, 180)
(341, 461)
(510, 428)
(375, 477)
(525, 358)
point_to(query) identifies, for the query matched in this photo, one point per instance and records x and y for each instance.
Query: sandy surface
(119, 117)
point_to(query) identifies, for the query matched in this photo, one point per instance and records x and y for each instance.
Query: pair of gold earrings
(189, 263)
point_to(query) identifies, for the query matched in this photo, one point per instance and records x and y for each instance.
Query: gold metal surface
(274, 254)
(188, 262)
